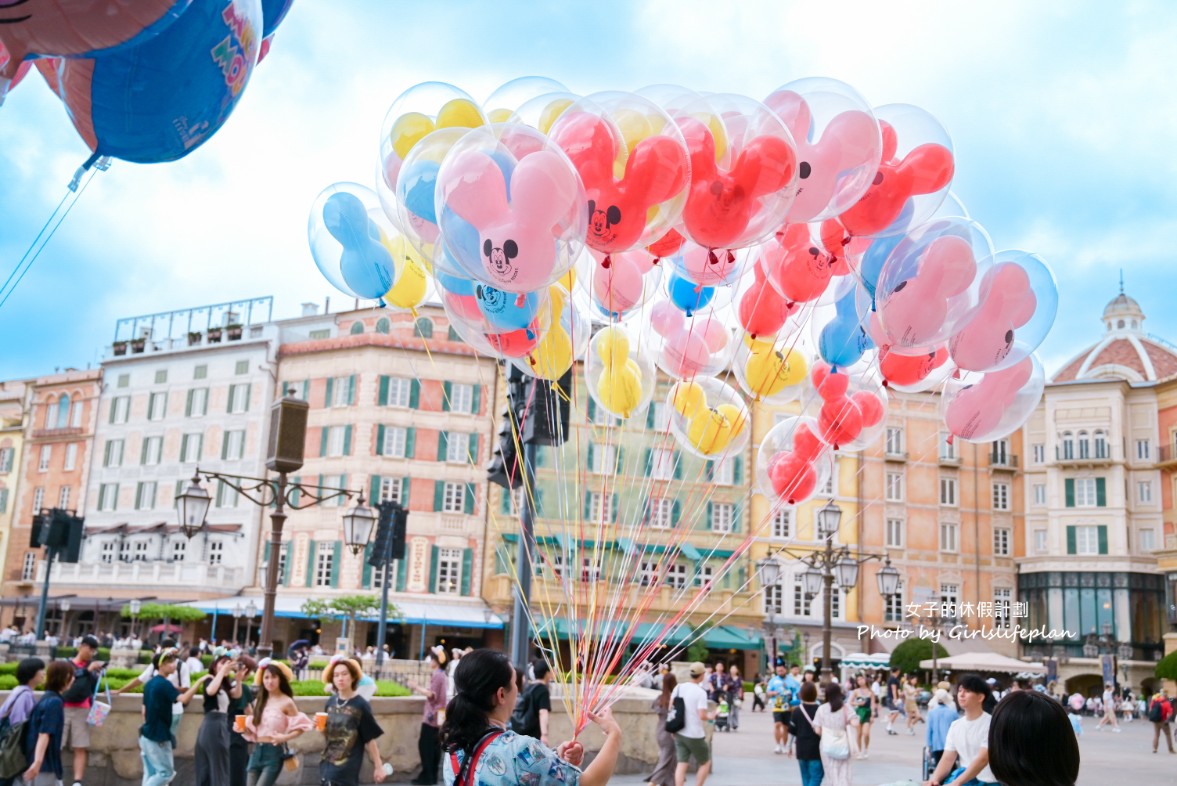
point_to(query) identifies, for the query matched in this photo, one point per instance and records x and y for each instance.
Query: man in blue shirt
(939, 719)
(778, 701)
(156, 742)
(793, 685)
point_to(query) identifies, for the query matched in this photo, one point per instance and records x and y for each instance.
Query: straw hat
(353, 668)
(282, 667)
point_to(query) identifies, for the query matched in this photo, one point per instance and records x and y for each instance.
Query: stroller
(721, 717)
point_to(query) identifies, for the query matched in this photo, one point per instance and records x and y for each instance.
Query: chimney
(310, 309)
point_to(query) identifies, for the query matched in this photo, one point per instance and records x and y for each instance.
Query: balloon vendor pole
(520, 627)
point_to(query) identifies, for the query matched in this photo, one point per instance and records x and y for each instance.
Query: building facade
(12, 428)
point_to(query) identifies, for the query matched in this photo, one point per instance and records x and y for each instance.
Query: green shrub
(748, 686)
(1167, 667)
(8, 669)
(7, 682)
(315, 688)
(907, 656)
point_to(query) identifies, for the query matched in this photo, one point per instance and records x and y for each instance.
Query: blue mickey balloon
(506, 310)
(365, 263)
(416, 184)
(273, 12)
(688, 296)
(872, 261)
(843, 340)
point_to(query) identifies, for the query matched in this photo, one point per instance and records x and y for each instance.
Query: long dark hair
(834, 696)
(264, 695)
(1031, 742)
(668, 683)
(477, 679)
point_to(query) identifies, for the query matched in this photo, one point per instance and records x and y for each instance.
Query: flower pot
(234, 332)
(137, 346)
(214, 335)
(194, 339)
(119, 347)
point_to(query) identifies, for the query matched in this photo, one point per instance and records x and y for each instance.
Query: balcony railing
(1003, 461)
(1166, 455)
(1094, 459)
(159, 574)
(895, 455)
(950, 459)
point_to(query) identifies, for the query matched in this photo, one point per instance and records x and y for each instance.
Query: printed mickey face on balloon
(925, 170)
(764, 371)
(988, 334)
(655, 172)
(914, 312)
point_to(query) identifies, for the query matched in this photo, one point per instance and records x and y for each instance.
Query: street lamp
(770, 576)
(64, 606)
(824, 566)
(250, 613)
(135, 607)
(192, 507)
(358, 523)
(237, 612)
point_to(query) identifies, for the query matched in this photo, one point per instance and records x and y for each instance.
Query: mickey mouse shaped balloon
(852, 409)
(620, 376)
(984, 407)
(349, 239)
(770, 369)
(699, 345)
(796, 266)
(708, 418)
(415, 114)
(529, 225)
(792, 462)
(610, 133)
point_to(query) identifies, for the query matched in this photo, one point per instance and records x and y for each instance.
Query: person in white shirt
(194, 665)
(966, 748)
(181, 678)
(1109, 709)
(691, 740)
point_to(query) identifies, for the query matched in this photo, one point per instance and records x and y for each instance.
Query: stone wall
(114, 752)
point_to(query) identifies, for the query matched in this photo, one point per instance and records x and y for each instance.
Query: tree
(907, 656)
(164, 611)
(347, 608)
(697, 649)
(1167, 668)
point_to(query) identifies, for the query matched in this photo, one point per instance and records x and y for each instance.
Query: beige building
(12, 428)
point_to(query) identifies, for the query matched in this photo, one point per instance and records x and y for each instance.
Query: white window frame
(157, 405)
(782, 524)
(62, 497)
(112, 453)
(947, 449)
(895, 532)
(661, 513)
(774, 599)
(199, 399)
(1041, 541)
(235, 444)
(1147, 540)
(1039, 451)
(723, 517)
(894, 610)
(1144, 492)
(948, 491)
(723, 472)
(802, 602)
(648, 574)
(449, 571)
(228, 497)
(893, 487)
(1001, 492)
(120, 409)
(949, 537)
(661, 416)
(453, 497)
(324, 563)
(216, 552)
(1002, 607)
(71, 457)
(145, 495)
(1085, 493)
(190, 444)
(1002, 541)
(662, 464)
(179, 550)
(152, 450)
(1087, 539)
(39, 499)
(894, 441)
(950, 596)
(400, 391)
(140, 552)
(46, 458)
(676, 576)
(1039, 490)
(457, 447)
(830, 487)
(590, 569)
(28, 570)
(596, 506)
(108, 495)
(7, 457)
(704, 575)
(335, 440)
(462, 398)
(1143, 449)
(239, 393)
(396, 442)
(391, 489)
(106, 552)
(604, 460)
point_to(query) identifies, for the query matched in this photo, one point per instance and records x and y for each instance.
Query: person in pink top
(429, 743)
(275, 722)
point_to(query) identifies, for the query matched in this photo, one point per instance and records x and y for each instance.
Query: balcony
(950, 459)
(1166, 457)
(194, 576)
(1003, 461)
(1103, 459)
(895, 455)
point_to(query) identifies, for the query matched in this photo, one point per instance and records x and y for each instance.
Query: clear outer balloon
(523, 242)
(743, 171)
(929, 282)
(619, 284)
(718, 267)
(619, 371)
(838, 145)
(687, 347)
(984, 407)
(633, 162)
(501, 104)
(350, 240)
(80, 28)
(489, 336)
(708, 418)
(760, 309)
(853, 408)
(914, 373)
(914, 176)
(418, 112)
(792, 463)
(795, 264)
(410, 201)
(1019, 301)
(410, 277)
(565, 342)
(770, 369)
(841, 336)
(671, 98)
(8, 84)
(541, 112)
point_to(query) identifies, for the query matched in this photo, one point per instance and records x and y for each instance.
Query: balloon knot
(607, 262)
(656, 260)
(886, 384)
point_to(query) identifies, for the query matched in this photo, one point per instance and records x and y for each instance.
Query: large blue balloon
(162, 99)
(365, 263)
(273, 12)
(843, 341)
(687, 295)
(506, 310)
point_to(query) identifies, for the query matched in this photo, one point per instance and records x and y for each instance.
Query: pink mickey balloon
(996, 404)
(618, 282)
(792, 463)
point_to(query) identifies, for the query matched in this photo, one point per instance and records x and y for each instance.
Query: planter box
(137, 347)
(214, 336)
(194, 339)
(119, 348)
(234, 332)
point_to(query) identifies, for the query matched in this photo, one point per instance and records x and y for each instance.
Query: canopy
(984, 661)
(860, 660)
(721, 637)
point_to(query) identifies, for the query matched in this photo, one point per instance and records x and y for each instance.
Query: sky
(1063, 118)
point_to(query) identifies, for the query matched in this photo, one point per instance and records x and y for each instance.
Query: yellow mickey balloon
(499, 115)
(460, 113)
(768, 371)
(408, 290)
(710, 432)
(553, 356)
(688, 399)
(619, 388)
(568, 280)
(408, 130)
(735, 416)
(551, 113)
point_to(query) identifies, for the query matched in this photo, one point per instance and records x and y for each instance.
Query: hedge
(316, 688)
(1167, 667)
(907, 656)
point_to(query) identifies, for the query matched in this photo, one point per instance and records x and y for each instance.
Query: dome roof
(1122, 305)
(1125, 351)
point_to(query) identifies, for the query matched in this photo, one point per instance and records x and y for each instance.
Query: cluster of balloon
(115, 66)
(807, 242)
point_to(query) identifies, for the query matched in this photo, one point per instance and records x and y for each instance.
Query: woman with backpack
(667, 759)
(45, 726)
(807, 740)
(15, 713)
(1159, 712)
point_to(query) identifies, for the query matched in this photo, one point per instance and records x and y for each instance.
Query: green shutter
(382, 397)
(401, 576)
(469, 499)
(446, 387)
(415, 394)
(467, 569)
(505, 502)
(406, 484)
(738, 471)
(588, 505)
(1070, 487)
(374, 490)
(477, 399)
(248, 395)
(224, 445)
(1103, 539)
(1101, 494)
(677, 459)
(474, 448)
(347, 440)
(438, 495)
(366, 578)
(650, 417)
(188, 405)
(266, 556)
(590, 457)
(311, 562)
(540, 452)
(295, 495)
(675, 512)
(330, 389)
(351, 390)
(113, 404)
(323, 441)
(737, 514)
(538, 496)
(1071, 539)
(592, 410)
(709, 469)
(306, 392)
(183, 450)
(709, 506)
(410, 442)
(442, 445)
(649, 461)
(337, 563)
(289, 568)
(380, 440)
(433, 554)
(616, 503)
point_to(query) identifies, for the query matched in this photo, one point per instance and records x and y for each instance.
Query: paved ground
(746, 757)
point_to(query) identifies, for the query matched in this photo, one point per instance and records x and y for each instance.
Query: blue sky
(1063, 116)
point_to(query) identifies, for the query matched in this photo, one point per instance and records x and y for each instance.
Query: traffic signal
(390, 534)
(59, 529)
(503, 468)
(400, 525)
(546, 421)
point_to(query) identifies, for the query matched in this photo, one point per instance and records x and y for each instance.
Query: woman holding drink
(212, 743)
(275, 722)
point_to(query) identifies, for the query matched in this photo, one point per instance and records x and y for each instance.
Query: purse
(832, 745)
(99, 710)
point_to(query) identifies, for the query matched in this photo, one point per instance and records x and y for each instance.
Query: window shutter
(675, 512)
(477, 399)
(351, 390)
(380, 440)
(590, 457)
(438, 495)
(738, 471)
(406, 484)
(311, 563)
(330, 389)
(442, 445)
(1071, 539)
(1103, 539)
(677, 459)
(336, 563)
(648, 461)
(295, 495)
(306, 390)
(415, 394)
(446, 387)
(183, 449)
(709, 469)
(366, 577)
(616, 503)
(266, 558)
(188, 406)
(710, 521)
(374, 491)
(347, 440)
(467, 569)
(1101, 493)
(382, 398)
(538, 496)
(224, 445)
(433, 554)
(737, 514)
(588, 505)
(410, 442)
(469, 499)
(113, 404)
(323, 441)
(248, 395)
(650, 416)
(592, 410)
(505, 502)
(474, 448)
(401, 576)
(540, 452)
(1070, 488)
(289, 569)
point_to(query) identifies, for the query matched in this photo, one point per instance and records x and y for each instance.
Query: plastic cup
(239, 723)
(321, 721)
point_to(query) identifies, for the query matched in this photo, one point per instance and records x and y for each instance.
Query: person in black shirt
(45, 725)
(807, 740)
(156, 742)
(238, 745)
(893, 699)
(212, 742)
(351, 729)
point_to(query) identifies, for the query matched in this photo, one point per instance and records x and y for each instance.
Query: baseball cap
(90, 641)
(698, 669)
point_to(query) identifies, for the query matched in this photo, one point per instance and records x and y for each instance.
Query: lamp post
(237, 612)
(250, 613)
(63, 606)
(285, 455)
(824, 566)
(770, 576)
(135, 606)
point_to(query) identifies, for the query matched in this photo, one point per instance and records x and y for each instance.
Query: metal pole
(382, 625)
(236, 620)
(828, 611)
(520, 627)
(50, 554)
(935, 646)
(265, 647)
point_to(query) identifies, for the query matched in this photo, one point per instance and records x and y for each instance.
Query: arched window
(1101, 445)
(1068, 445)
(1134, 324)
(75, 419)
(357, 328)
(382, 325)
(1120, 323)
(1084, 445)
(62, 411)
(423, 328)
